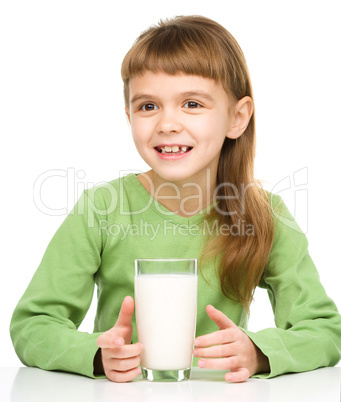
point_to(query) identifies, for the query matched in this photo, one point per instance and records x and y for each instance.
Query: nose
(168, 122)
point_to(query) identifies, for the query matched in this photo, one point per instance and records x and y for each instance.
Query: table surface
(34, 385)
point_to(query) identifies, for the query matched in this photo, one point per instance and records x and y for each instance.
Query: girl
(189, 101)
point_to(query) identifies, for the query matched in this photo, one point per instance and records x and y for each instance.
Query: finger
(215, 338)
(122, 364)
(126, 312)
(119, 376)
(123, 352)
(214, 351)
(110, 339)
(219, 318)
(229, 363)
(239, 375)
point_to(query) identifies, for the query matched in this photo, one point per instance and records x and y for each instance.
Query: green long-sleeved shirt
(113, 224)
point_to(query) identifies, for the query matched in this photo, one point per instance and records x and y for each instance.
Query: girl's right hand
(120, 358)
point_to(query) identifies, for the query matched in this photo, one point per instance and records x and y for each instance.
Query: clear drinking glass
(166, 309)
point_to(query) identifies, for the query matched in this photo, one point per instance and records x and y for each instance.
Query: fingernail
(229, 377)
(138, 370)
(119, 342)
(195, 352)
(196, 342)
(201, 363)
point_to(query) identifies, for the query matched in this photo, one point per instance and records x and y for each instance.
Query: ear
(241, 116)
(127, 113)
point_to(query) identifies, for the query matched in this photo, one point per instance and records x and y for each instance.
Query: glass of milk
(166, 309)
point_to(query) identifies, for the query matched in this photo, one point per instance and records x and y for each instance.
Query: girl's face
(179, 123)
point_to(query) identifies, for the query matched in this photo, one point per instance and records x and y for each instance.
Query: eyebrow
(187, 94)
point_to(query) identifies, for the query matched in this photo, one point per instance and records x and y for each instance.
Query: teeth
(174, 149)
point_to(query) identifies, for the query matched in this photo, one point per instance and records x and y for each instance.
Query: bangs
(193, 46)
(172, 50)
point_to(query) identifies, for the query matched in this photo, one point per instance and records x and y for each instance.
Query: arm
(308, 333)
(45, 321)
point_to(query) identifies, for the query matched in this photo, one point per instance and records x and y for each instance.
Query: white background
(61, 110)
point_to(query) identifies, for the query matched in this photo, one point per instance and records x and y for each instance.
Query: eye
(147, 107)
(192, 105)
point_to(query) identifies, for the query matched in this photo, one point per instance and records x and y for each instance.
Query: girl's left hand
(229, 349)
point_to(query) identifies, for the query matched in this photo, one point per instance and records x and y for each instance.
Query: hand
(120, 358)
(235, 349)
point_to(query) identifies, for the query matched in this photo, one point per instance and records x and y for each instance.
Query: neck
(185, 198)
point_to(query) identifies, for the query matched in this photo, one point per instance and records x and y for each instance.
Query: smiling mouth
(173, 150)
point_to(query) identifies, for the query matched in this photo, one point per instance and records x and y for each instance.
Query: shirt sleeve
(45, 322)
(308, 326)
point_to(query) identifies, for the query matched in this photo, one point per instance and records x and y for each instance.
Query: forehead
(163, 84)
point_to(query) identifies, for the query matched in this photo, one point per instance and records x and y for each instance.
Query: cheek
(210, 129)
(199, 127)
(140, 129)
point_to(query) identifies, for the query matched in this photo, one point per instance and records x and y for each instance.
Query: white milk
(166, 308)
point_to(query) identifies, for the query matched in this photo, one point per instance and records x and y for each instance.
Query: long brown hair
(196, 45)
